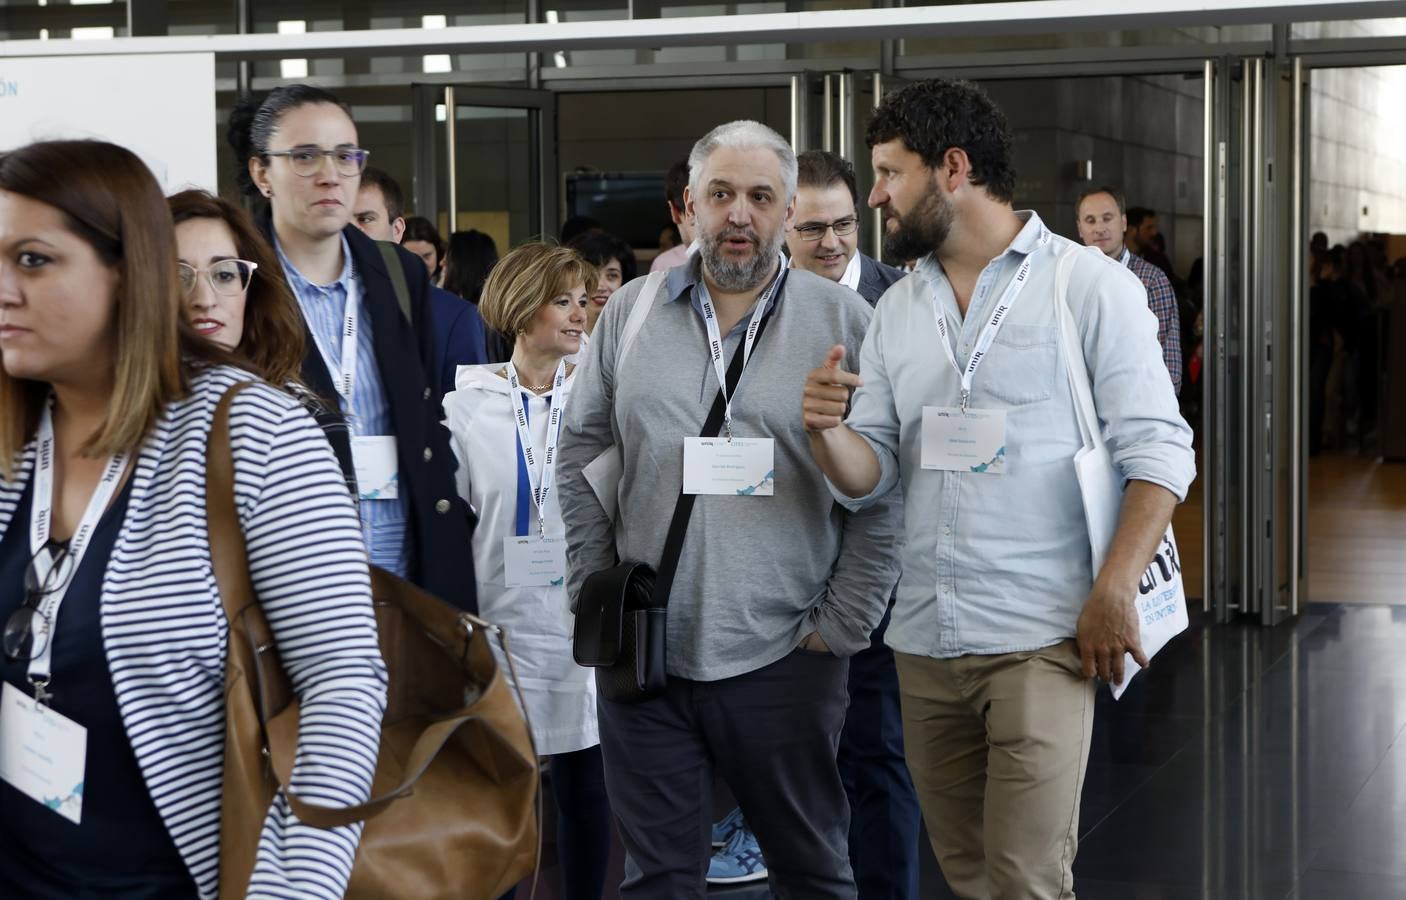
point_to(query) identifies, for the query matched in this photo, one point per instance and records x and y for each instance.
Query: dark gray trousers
(772, 735)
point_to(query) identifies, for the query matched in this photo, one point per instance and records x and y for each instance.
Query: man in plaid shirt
(1102, 223)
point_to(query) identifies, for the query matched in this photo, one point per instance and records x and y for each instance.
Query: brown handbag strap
(228, 557)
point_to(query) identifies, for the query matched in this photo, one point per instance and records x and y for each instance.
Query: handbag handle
(683, 509)
(230, 562)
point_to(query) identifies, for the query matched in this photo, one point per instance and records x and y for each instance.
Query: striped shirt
(383, 522)
(164, 629)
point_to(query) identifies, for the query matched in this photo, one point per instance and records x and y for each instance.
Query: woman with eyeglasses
(113, 665)
(234, 295)
(504, 421)
(372, 352)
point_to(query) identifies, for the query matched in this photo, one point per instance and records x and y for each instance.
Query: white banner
(161, 107)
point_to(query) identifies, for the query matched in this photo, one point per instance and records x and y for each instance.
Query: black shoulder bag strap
(683, 510)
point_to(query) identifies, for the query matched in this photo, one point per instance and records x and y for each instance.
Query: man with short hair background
(776, 585)
(885, 822)
(675, 183)
(458, 327)
(1103, 224)
(825, 236)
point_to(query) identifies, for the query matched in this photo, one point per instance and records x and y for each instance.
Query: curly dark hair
(932, 117)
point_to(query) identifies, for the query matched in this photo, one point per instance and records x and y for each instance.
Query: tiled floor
(1249, 763)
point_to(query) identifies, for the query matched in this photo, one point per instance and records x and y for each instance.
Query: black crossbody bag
(622, 612)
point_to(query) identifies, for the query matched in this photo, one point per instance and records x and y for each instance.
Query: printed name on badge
(534, 562)
(42, 753)
(377, 467)
(741, 467)
(972, 441)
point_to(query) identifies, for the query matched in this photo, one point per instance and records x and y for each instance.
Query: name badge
(377, 467)
(742, 467)
(42, 753)
(534, 562)
(974, 441)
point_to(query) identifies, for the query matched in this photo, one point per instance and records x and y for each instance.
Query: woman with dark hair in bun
(371, 350)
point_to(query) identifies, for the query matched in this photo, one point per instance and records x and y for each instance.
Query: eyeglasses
(228, 276)
(27, 631)
(814, 231)
(306, 161)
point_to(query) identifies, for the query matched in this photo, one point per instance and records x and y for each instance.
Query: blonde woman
(504, 423)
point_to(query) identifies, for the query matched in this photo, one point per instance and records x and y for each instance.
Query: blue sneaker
(739, 862)
(730, 825)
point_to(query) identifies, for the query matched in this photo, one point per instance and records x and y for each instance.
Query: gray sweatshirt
(757, 574)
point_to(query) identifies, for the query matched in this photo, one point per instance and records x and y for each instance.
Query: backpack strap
(393, 268)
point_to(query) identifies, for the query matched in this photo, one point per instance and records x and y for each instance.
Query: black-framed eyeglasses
(228, 276)
(28, 630)
(306, 161)
(814, 231)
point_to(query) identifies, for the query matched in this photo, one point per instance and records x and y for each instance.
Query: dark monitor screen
(629, 205)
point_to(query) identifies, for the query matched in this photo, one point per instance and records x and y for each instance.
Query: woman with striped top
(112, 668)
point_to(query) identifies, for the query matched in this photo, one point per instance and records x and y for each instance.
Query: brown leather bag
(455, 810)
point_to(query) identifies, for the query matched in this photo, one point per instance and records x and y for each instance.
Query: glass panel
(1352, 28)
(495, 160)
(30, 20)
(1088, 39)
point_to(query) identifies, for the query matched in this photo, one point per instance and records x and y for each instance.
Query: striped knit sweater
(164, 629)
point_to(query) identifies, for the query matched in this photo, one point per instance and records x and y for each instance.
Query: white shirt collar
(852, 272)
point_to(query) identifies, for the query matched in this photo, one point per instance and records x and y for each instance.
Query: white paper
(377, 467)
(741, 467)
(534, 562)
(42, 754)
(972, 441)
(603, 474)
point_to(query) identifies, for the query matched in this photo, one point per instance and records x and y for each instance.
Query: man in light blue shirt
(1001, 623)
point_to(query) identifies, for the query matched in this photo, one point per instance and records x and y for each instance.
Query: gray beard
(735, 277)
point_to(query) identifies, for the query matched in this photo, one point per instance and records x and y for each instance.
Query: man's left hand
(1108, 628)
(815, 643)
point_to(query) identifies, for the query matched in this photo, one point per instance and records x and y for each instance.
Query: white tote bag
(1161, 601)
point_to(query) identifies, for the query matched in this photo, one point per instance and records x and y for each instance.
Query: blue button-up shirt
(1001, 563)
(383, 522)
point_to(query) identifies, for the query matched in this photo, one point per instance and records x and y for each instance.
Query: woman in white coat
(504, 422)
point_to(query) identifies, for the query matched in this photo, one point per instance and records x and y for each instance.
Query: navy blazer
(459, 335)
(876, 277)
(440, 525)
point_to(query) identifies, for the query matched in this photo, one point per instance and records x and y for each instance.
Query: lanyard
(344, 377)
(544, 475)
(999, 314)
(715, 341)
(40, 522)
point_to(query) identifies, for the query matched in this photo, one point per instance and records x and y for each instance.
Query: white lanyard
(344, 379)
(999, 314)
(40, 522)
(715, 341)
(540, 480)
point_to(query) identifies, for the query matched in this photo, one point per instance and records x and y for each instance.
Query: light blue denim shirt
(383, 522)
(1001, 563)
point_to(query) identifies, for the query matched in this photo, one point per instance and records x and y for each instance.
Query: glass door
(486, 159)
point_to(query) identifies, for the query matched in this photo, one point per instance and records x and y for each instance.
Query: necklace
(534, 388)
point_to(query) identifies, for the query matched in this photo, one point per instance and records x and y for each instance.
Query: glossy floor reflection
(1249, 763)
(1256, 763)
